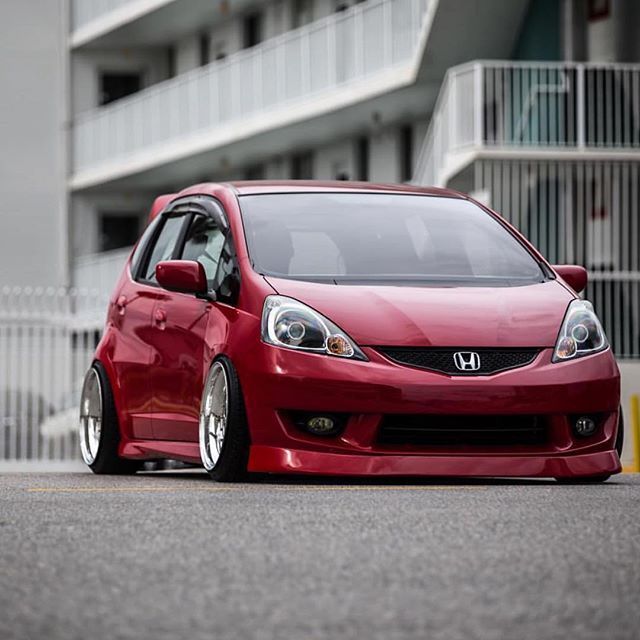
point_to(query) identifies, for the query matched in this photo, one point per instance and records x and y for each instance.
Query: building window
(406, 153)
(599, 9)
(114, 86)
(252, 30)
(171, 62)
(301, 13)
(362, 158)
(204, 46)
(302, 166)
(118, 230)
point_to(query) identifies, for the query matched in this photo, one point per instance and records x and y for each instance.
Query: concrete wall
(614, 38)
(33, 141)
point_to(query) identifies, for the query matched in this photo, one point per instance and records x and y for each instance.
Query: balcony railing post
(332, 27)
(387, 43)
(580, 107)
(478, 104)
(452, 108)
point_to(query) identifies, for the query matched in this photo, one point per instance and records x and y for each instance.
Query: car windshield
(395, 238)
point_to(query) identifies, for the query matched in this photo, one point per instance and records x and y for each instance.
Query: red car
(348, 329)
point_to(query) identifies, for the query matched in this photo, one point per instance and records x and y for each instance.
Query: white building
(132, 98)
(168, 93)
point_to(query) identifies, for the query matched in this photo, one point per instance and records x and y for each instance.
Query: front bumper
(277, 382)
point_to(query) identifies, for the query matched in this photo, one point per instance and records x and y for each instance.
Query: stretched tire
(223, 430)
(598, 479)
(99, 431)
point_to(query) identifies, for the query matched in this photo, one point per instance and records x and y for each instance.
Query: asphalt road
(176, 556)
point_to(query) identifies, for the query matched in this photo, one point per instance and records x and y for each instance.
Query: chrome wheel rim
(213, 416)
(90, 416)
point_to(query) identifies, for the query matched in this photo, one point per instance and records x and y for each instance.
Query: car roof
(255, 187)
(310, 186)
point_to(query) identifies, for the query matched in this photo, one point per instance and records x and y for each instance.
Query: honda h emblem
(466, 360)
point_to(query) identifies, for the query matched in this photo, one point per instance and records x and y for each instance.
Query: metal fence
(304, 63)
(47, 339)
(584, 213)
(99, 271)
(576, 197)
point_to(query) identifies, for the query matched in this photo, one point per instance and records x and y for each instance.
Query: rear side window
(164, 246)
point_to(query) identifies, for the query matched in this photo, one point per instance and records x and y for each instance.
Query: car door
(138, 303)
(181, 322)
(130, 315)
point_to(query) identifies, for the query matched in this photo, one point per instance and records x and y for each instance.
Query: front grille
(463, 430)
(443, 359)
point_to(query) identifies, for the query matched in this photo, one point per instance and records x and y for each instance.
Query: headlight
(581, 333)
(291, 324)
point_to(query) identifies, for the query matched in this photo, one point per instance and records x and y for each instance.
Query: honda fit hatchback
(348, 329)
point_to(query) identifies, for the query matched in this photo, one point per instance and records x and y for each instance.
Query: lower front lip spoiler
(267, 459)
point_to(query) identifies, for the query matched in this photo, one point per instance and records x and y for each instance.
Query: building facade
(165, 94)
(533, 106)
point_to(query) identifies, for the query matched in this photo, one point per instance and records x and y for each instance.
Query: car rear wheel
(98, 429)
(603, 478)
(223, 431)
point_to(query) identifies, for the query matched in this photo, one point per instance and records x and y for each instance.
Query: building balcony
(119, 23)
(509, 110)
(330, 64)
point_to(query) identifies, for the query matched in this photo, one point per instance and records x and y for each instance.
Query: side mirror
(575, 276)
(186, 276)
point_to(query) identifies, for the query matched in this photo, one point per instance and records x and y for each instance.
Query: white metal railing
(579, 212)
(507, 105)
(47, 339)
(320, 57)
(99, 271)
(85, 11)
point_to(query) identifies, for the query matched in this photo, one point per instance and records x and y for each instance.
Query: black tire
(231, 466)
(599, 479)
(107, 461)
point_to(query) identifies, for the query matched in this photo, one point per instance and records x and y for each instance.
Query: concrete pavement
(173, 555)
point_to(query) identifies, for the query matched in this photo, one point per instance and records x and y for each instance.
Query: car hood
(519, 316)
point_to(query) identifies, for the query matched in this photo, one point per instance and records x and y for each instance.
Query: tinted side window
(203, 243)
(164, 246)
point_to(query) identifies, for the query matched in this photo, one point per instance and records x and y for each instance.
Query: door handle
(160, 317)
(121, 304)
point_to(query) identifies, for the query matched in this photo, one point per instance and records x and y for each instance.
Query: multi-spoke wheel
(223, 433)
(98, 429)
(90, 416)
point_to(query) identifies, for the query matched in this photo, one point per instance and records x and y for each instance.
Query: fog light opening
(320, 425)
(585, 426)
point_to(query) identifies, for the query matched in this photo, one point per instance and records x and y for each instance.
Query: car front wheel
(98, 429)
(223, 431)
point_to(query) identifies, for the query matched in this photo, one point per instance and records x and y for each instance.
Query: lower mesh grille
(443, 360)
(463, 430)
